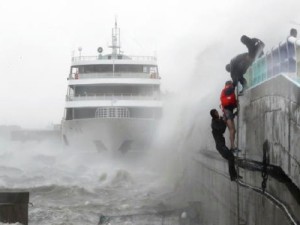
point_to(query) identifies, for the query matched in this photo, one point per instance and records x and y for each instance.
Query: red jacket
(228, 97)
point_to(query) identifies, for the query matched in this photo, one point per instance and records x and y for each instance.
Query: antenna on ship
(116, 44)
(80, 50)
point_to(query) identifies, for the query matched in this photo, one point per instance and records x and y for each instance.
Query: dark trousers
(227, 154)
(242, 81)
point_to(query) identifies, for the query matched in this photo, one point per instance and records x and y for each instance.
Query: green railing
(283, 59)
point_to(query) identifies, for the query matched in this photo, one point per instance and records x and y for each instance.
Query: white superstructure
(113, 101)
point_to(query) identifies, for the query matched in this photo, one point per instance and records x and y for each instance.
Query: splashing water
(68, 187)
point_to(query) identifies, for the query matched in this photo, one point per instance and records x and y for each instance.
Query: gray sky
(193, 40)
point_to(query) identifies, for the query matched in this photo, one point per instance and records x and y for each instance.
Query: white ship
(113, 101)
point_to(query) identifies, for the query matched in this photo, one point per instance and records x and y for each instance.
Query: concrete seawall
(268, 112)
(271, 111)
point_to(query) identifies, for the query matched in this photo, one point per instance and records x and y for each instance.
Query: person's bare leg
(231, 127)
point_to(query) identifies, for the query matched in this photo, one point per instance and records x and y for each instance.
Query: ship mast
(116, 43)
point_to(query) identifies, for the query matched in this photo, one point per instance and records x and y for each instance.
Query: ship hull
(113, 135)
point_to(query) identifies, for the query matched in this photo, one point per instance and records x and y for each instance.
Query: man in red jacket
(229, 104)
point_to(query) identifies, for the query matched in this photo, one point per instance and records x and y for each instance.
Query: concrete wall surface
(270, 111)
(207, 181)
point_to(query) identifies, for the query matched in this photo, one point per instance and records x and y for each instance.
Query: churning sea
(76, 187)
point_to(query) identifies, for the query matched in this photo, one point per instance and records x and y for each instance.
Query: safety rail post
(288, 56)
(269, 63)
(279, 54)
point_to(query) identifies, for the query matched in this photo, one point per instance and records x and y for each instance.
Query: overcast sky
(193, 40)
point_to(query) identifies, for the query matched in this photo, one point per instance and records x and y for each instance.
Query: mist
(200, 61)
(192, 40)
(193, 43)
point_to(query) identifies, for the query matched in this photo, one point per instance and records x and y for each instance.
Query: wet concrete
(271, 112)
(207, 181)
(268, 112)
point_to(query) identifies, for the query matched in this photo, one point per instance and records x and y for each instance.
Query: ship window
(112, 112)
(129, 68)
(153, 69)
(128, 90)
(96, 69)
(145, 69)
(69, 115)
(108, 68)
(74, 70)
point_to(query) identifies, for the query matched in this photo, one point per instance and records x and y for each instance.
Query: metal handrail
(112, 97)
(273, 65)
(93, 58)
(112, 75)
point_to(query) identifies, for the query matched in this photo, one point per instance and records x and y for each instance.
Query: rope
(281, 205)
(237, 145)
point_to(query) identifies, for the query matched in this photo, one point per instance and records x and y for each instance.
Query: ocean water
(76, 187)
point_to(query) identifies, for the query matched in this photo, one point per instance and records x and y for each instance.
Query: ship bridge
(113, 85)
(97, 83)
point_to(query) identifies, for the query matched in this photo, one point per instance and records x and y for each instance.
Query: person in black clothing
(293, 33)
(239, 65)
(254, 45)
(218, 126)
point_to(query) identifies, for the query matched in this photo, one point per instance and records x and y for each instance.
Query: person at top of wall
(237, 68)
(293, 35)
(254, 45)
(239, 65)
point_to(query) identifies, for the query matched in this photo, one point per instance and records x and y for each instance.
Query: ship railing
(76, 76)
(112, 97)
(100, 57)
(281, 59)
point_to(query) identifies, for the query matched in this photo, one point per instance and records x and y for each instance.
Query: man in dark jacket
(254, 45)
(218, 126)
(239, 65)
